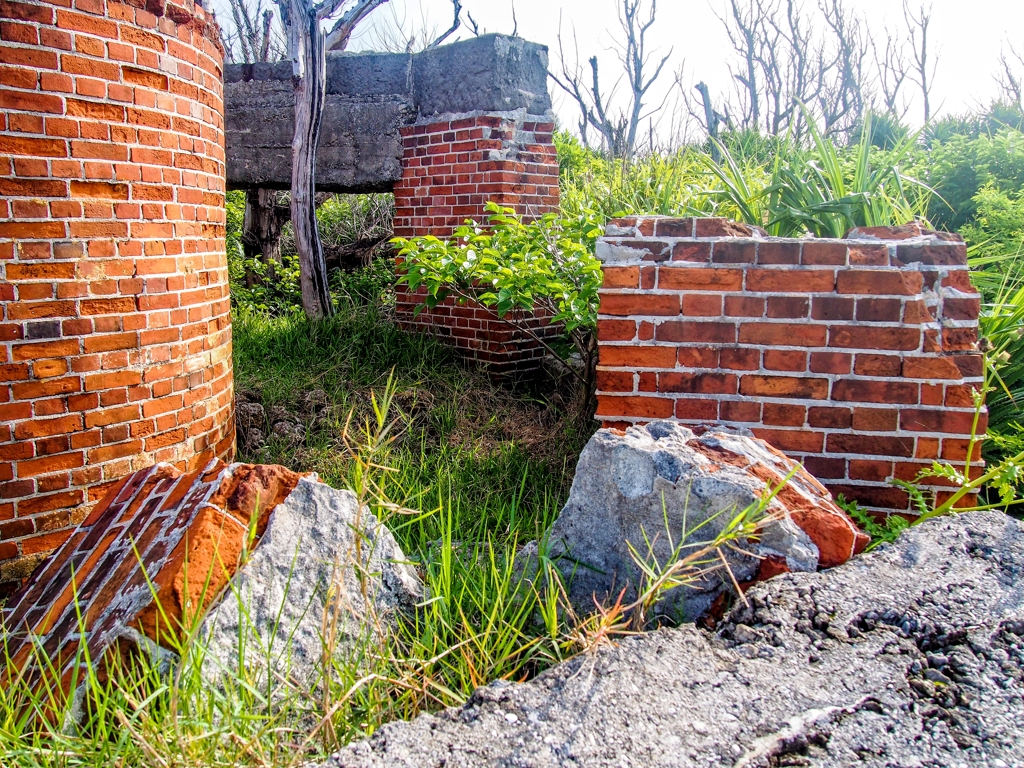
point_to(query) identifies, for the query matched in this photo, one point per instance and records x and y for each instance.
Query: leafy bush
(518, 268)
(959, 168)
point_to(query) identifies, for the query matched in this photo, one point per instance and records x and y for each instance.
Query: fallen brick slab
(152, 555)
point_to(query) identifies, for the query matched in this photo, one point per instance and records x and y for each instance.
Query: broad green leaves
(512, 266)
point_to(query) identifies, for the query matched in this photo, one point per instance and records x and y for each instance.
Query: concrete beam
(370, 96)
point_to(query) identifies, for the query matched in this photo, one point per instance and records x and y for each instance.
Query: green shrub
(518, 268)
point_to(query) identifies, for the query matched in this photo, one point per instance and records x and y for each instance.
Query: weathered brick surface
(114, 315)
(152, 555)
(855, 356)
(451, 169)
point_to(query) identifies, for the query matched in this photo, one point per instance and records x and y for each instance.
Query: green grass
(484, 468)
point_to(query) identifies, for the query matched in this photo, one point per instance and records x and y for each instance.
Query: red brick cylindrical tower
(115, 333)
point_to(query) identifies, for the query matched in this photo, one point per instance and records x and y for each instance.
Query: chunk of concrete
(324, 577)
(659, 491)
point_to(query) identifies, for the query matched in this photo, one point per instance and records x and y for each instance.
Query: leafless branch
(341, 32)
(924, 68)
(1011, 74)
(456, 23)
(893, 68)
(619, 128)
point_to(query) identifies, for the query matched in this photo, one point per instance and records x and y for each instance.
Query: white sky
(968, 36)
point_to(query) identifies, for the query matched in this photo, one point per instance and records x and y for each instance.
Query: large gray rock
(912, 655)
(665, 485)
(304, 569)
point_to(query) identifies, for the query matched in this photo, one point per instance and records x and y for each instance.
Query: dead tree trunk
(261, 230)
(310, 91)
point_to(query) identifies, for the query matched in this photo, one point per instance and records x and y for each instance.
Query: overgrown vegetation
(473, 470)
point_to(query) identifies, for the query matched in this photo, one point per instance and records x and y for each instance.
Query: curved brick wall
(115, 336)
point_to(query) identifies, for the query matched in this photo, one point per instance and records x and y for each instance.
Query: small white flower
(423, 271)
(466, 265)
(470, 254)
(478, 230)
(495, 281)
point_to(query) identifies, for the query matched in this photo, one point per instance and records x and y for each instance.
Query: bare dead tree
(742, 27)
(618, 128)
(1011, 75)
(713, 119)
(784, 58)
(456, 23)
(892, 69)
(923, 71)
(841, 97)
(308, 44)
(251, 35)
(400, 34)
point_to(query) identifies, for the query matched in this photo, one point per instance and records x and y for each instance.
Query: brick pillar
(115, 338)
(857, 357)
(451, 169)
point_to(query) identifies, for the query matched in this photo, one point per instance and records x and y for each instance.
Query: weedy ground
(462, 470)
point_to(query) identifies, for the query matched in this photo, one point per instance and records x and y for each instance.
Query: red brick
(875, 419)
(639, 304)
(827, 417)
(698, 383)
(778, 252)
(621, 277)
(831, 362)
(699, 279)
(692, 409)
(784, 415)
(696, 331)
(815, 253)
(636, 406)
(745, 411)
(877, 365)
(640, 357)
(740, 358)
(616, 330)
(789, 280)
(788, 306)
(875, 391)
(614, 381)
(784, 386)
(796, 440)
(785, 360)
(744, 306)
(876, 337)
(783, 334)
(878, 282)
(702, 304)
(940, 420)
(733, 252)
(870, 445)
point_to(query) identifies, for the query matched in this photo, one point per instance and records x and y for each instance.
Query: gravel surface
(912, 655)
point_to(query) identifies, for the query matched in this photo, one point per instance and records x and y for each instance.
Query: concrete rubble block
(323, 569)
(150, 558)
(662, 485)
(910, 655)
(370, 97)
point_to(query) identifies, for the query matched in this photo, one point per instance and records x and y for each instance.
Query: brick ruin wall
(115, 337)
(451, 169)
(857, 357)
